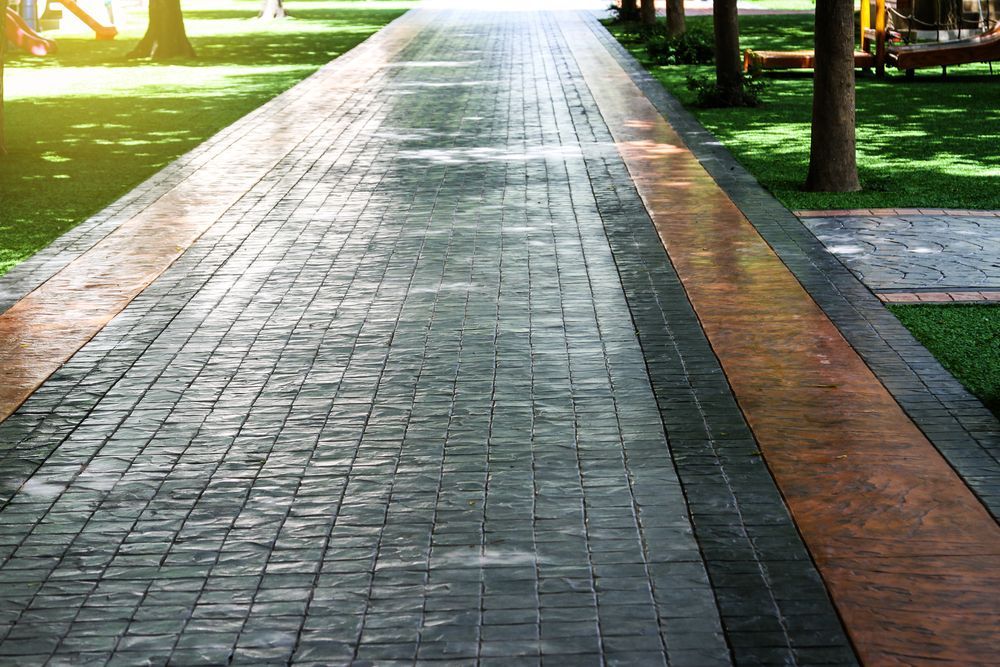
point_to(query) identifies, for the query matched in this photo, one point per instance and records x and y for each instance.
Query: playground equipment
(103, 32)
(962, 31)
(23, 37)
(895, 33)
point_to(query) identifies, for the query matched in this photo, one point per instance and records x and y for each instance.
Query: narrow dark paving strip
(909, 553)
(774, 606)
(389, 407)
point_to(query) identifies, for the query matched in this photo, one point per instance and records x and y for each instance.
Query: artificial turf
(965, 339)
(86, 125)
(781, 5)
(927, 142)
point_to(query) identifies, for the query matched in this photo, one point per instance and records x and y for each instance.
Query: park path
(397, 370)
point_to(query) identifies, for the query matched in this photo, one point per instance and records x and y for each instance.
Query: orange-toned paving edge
(910, 556)
(980, 296)
(48, 326)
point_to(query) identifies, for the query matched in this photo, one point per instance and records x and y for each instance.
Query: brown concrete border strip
(47, 326)
(911, 557)
(941, 297)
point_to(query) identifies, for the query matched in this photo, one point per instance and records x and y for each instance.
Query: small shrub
(694, 47)
(620, 15)
(708, 93)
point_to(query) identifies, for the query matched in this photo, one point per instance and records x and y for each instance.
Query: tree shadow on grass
(297, 41)
(921, 142)
(70, 157)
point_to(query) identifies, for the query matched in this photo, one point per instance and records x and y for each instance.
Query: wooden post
(879, 37)
(866, 23)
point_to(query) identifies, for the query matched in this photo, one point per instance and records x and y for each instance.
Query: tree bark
(675, 18)
(832, 160)
(728, 71)
(647, 12)
(272, 9)
(629, 10)
(165, 37)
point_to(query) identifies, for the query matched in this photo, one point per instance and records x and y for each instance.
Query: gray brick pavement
(390, 408)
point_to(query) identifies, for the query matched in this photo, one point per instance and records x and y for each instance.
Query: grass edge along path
(86, 126)
(965, 338)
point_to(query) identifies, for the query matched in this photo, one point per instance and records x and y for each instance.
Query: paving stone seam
(653, 243)
(368, 416)
(495, 380)
(955, 422)
(617, 410)
(580, 469)
(565, 358)
(561, 47)
(449, 432)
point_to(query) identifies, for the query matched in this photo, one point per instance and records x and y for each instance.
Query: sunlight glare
(516, 5)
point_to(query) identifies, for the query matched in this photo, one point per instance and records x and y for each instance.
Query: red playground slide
(25, 38)
(100, 31)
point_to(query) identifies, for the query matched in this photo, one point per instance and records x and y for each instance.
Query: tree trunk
(728, 70)
(832, 161)
(272, 9)
(3, 54)
(675, 18)
(647, 12)
(165, 37)
(629, 10)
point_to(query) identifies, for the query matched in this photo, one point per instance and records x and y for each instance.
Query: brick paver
(422, 387)
(389, 406)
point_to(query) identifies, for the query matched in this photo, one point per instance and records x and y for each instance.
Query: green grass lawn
(86, 126)
(965, 339)
(929, 142)
(783, 5)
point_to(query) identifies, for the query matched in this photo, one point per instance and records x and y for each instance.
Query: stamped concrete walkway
(916, 256)
(397, 370)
